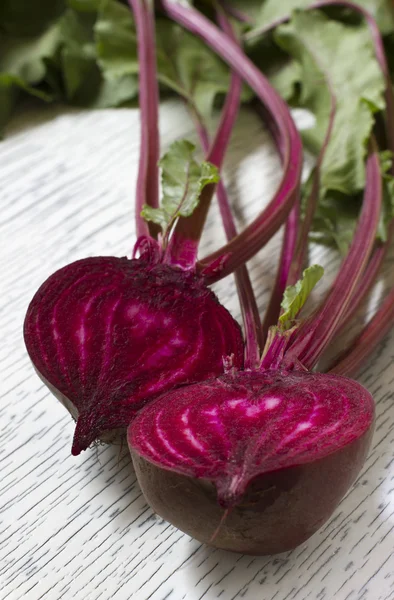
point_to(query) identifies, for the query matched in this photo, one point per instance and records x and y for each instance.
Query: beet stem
(317, 332)
(247, 243)
(185, 239)
(313, 198)
(148, 173)
(289, 238)
(368, 279)
(295, 240)
(289, 241)
(380, 252)
(349, 362)
(247, 299)
(287, 252)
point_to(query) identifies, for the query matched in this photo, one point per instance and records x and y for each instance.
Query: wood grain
(79, 527)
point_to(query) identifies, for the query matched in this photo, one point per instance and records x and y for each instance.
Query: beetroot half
(109, 334)
(253, 462)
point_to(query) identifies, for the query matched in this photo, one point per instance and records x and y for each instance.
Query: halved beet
(253, 462)
(109, 334)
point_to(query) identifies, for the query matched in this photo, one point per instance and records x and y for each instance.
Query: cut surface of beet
(252, 462)
(234, 428)
(109, 334)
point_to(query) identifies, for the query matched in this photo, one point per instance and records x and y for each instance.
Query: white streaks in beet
(240, 426)
(110, 334)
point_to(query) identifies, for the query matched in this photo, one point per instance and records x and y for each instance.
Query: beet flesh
(109, 334)
(255, 462)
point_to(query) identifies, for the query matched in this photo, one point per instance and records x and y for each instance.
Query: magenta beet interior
(110, 334)
(231, 429)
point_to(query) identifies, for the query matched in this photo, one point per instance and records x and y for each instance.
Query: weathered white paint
(79, 527)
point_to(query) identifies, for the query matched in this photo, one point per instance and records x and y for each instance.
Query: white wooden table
(79, 527)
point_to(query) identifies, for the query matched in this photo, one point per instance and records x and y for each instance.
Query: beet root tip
(84, 435)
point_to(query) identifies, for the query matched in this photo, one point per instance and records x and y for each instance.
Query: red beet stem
(295, 241)
(317, 332)
(352, 359)
(148, 173)
(185, 239)
(313, 198)
(247, 298)
(368, 279)
(232, 103)
(288, 244)
(249, 308)
(287, 253)
(380, 251)
(247, 243)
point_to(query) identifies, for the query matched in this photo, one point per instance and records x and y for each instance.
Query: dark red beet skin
(109, 334)
(253, 462)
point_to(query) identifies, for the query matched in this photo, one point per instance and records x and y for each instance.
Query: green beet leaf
(26, 18)
(85, 84)
(252, 8)
(11, 87)
(386, 165)
(77, 58)
(325, 51)
(183, 180)
(185, 65)
(271, 10)
(23, 56)
(116, 40)
(85, 6)
(296, 295)
(23, 67)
